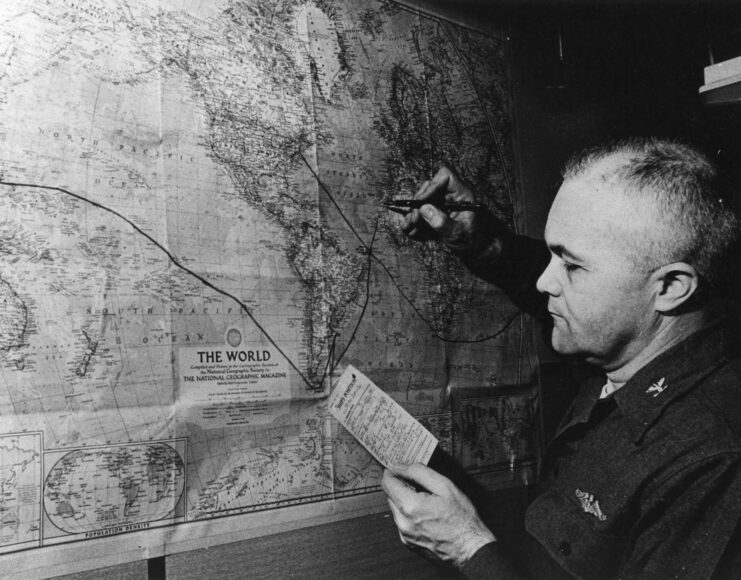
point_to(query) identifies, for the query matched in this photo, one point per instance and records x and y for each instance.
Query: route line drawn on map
(175, 262)
(330, 364)
(368, 247)
(372, 256)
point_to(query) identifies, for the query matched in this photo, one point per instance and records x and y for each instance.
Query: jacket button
(565, 548)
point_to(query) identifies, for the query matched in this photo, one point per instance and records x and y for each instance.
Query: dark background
(628, 69)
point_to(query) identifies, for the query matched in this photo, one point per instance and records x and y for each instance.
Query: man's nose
(548, 282)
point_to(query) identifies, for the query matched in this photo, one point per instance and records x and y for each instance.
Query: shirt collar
(674, 372)
(608, 389)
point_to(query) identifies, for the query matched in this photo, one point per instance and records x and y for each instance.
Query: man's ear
(676, 283)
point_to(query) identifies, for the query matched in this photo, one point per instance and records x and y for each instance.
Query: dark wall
(626, 70)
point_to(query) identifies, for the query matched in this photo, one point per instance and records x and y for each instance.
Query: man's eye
(570, 267)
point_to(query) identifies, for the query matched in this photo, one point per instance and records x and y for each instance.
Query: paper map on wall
(192, 246)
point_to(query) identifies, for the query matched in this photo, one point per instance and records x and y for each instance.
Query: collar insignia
(658, 387)
(590, 505)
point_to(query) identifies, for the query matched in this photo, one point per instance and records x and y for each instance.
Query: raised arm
(482, 242)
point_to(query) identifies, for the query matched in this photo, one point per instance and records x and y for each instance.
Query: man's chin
(567, 348)
(562, 345)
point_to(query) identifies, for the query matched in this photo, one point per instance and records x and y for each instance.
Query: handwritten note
(378, 422)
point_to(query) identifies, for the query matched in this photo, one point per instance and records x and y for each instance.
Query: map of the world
(193, 246)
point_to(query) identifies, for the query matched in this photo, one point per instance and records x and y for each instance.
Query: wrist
(472, 543)
(484, 248)
(486, 243)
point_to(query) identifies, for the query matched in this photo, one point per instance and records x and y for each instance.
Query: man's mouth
(556, 315)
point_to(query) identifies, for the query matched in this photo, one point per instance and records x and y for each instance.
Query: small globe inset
(234, 338)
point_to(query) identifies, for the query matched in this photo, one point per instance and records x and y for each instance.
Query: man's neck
(670, 331)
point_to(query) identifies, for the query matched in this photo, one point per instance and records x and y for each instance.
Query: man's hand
(467, 233)
(441, 520)
(455, 229)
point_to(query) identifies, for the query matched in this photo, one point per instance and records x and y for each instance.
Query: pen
(405, 205)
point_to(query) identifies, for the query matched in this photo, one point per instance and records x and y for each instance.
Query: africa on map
(193, 247)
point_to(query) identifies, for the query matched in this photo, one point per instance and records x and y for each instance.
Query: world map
(90, 489)
(193, 245)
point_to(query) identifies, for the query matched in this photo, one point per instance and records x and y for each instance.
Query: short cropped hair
(695, 224)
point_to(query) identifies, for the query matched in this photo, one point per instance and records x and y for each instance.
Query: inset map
(103, 487)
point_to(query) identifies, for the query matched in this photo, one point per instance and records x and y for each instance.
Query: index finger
(435, 186)
(447, 186)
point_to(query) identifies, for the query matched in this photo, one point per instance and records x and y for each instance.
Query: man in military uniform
(643, 477)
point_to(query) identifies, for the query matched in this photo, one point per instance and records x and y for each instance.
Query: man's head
(638, 234)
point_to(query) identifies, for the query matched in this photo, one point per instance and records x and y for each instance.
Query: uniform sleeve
(506, 561)
(690, 521)
(491, 562)
(514, 266)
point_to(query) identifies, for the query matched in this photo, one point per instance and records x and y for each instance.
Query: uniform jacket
(645, 483)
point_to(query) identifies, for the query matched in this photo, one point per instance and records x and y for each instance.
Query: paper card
(378, 422)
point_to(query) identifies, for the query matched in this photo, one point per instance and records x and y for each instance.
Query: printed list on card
(378, 422)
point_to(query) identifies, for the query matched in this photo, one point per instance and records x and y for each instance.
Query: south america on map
(194, 246)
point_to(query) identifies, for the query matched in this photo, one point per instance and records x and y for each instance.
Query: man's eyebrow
(563, 252)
